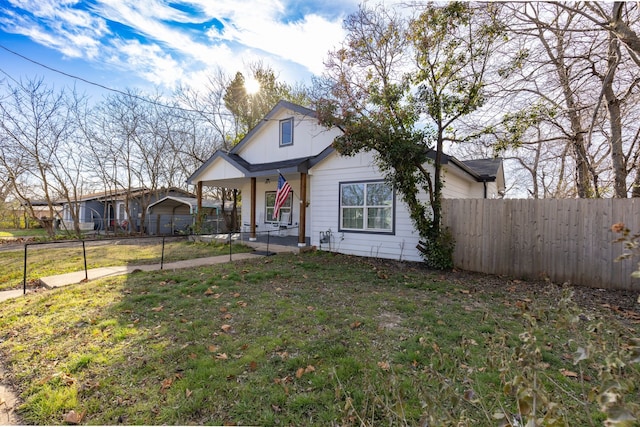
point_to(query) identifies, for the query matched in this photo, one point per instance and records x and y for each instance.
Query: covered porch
(258, 185)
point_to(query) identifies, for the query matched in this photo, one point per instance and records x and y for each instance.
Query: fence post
(162, 256)
(268, 234)
(230, 246)
(84, 255)
(24, 273)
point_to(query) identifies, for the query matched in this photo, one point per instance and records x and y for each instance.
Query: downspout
(198, 224)
(252, 236)
(302, 239)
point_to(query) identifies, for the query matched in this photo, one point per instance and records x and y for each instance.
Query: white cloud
(154, 44)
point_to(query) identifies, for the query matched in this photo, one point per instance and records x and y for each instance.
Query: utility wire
(159, 104)
(89, 82)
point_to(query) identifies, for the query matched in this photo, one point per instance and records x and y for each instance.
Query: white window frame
(364, 207)
(268, 209)
(283, 142)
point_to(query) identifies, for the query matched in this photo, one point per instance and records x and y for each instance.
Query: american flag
(281, 195)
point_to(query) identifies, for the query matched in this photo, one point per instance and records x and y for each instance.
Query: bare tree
(34, 121)
(578, 74)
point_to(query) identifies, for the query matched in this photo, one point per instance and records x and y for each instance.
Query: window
(286, 132)
(366, 206)
(270, 202)
(121, 213)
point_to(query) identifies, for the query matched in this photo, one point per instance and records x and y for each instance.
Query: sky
(155, 45)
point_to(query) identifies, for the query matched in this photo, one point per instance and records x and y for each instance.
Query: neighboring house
(107, 210)
(176, 214)
(338, 203)
(41, 209)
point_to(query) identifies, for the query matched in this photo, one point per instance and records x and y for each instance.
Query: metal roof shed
(174, 205)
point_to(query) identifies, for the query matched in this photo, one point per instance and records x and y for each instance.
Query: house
(116, 209)
(338, 203)
(176, 214)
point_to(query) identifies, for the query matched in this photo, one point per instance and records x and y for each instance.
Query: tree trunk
(635, 191)
(615, 121)
(583, 181)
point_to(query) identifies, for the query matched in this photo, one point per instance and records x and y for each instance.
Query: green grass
(44, 260)
(312, 339)
(32, 232)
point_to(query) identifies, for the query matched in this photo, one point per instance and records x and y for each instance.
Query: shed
(175, 214)
(174, 205)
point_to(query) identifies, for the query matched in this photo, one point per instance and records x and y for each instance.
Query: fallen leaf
(209, 291)
(213, 348)
(227, 316)
(309, 368)
(159, 308)
(569, 374)
(299, 372)
(166, 384)
(236, 295)
(283, 354)
(72, 417)
(355, 325)
(225, 328)
(384, 366)
(241, 304)
(223, 309)
(222, 356)
(193, 356)
(253, 366)
(382, 275)
(188, 393)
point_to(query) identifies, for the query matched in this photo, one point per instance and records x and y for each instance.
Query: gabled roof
(282, 104)
(482, 170)
(484, 167)
(302, 164)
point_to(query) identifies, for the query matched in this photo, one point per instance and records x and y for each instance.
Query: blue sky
(148, 44)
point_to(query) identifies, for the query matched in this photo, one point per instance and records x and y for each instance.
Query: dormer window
(286, 132)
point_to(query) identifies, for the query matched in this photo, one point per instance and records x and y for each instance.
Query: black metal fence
(149, 250)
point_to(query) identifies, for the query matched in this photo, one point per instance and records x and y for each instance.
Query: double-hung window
(270, 203)
(366, 206)
(286, 132)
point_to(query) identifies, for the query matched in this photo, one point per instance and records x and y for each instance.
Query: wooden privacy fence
(566, 240)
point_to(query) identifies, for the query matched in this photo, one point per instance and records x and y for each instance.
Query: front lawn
(51, 259)
(318, 339)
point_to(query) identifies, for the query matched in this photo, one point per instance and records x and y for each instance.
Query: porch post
(252, 236)
(199, 207)
(302, 241)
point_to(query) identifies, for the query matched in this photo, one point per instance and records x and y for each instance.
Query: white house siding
(221, 169)
(309, 139)
(455, 187)
(325, 179)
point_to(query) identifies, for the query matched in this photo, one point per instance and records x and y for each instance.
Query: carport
(176, 215)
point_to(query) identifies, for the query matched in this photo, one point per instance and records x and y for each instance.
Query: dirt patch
(8, 402)
(389, 321)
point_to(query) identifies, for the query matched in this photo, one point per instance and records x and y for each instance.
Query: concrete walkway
(98, 273)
